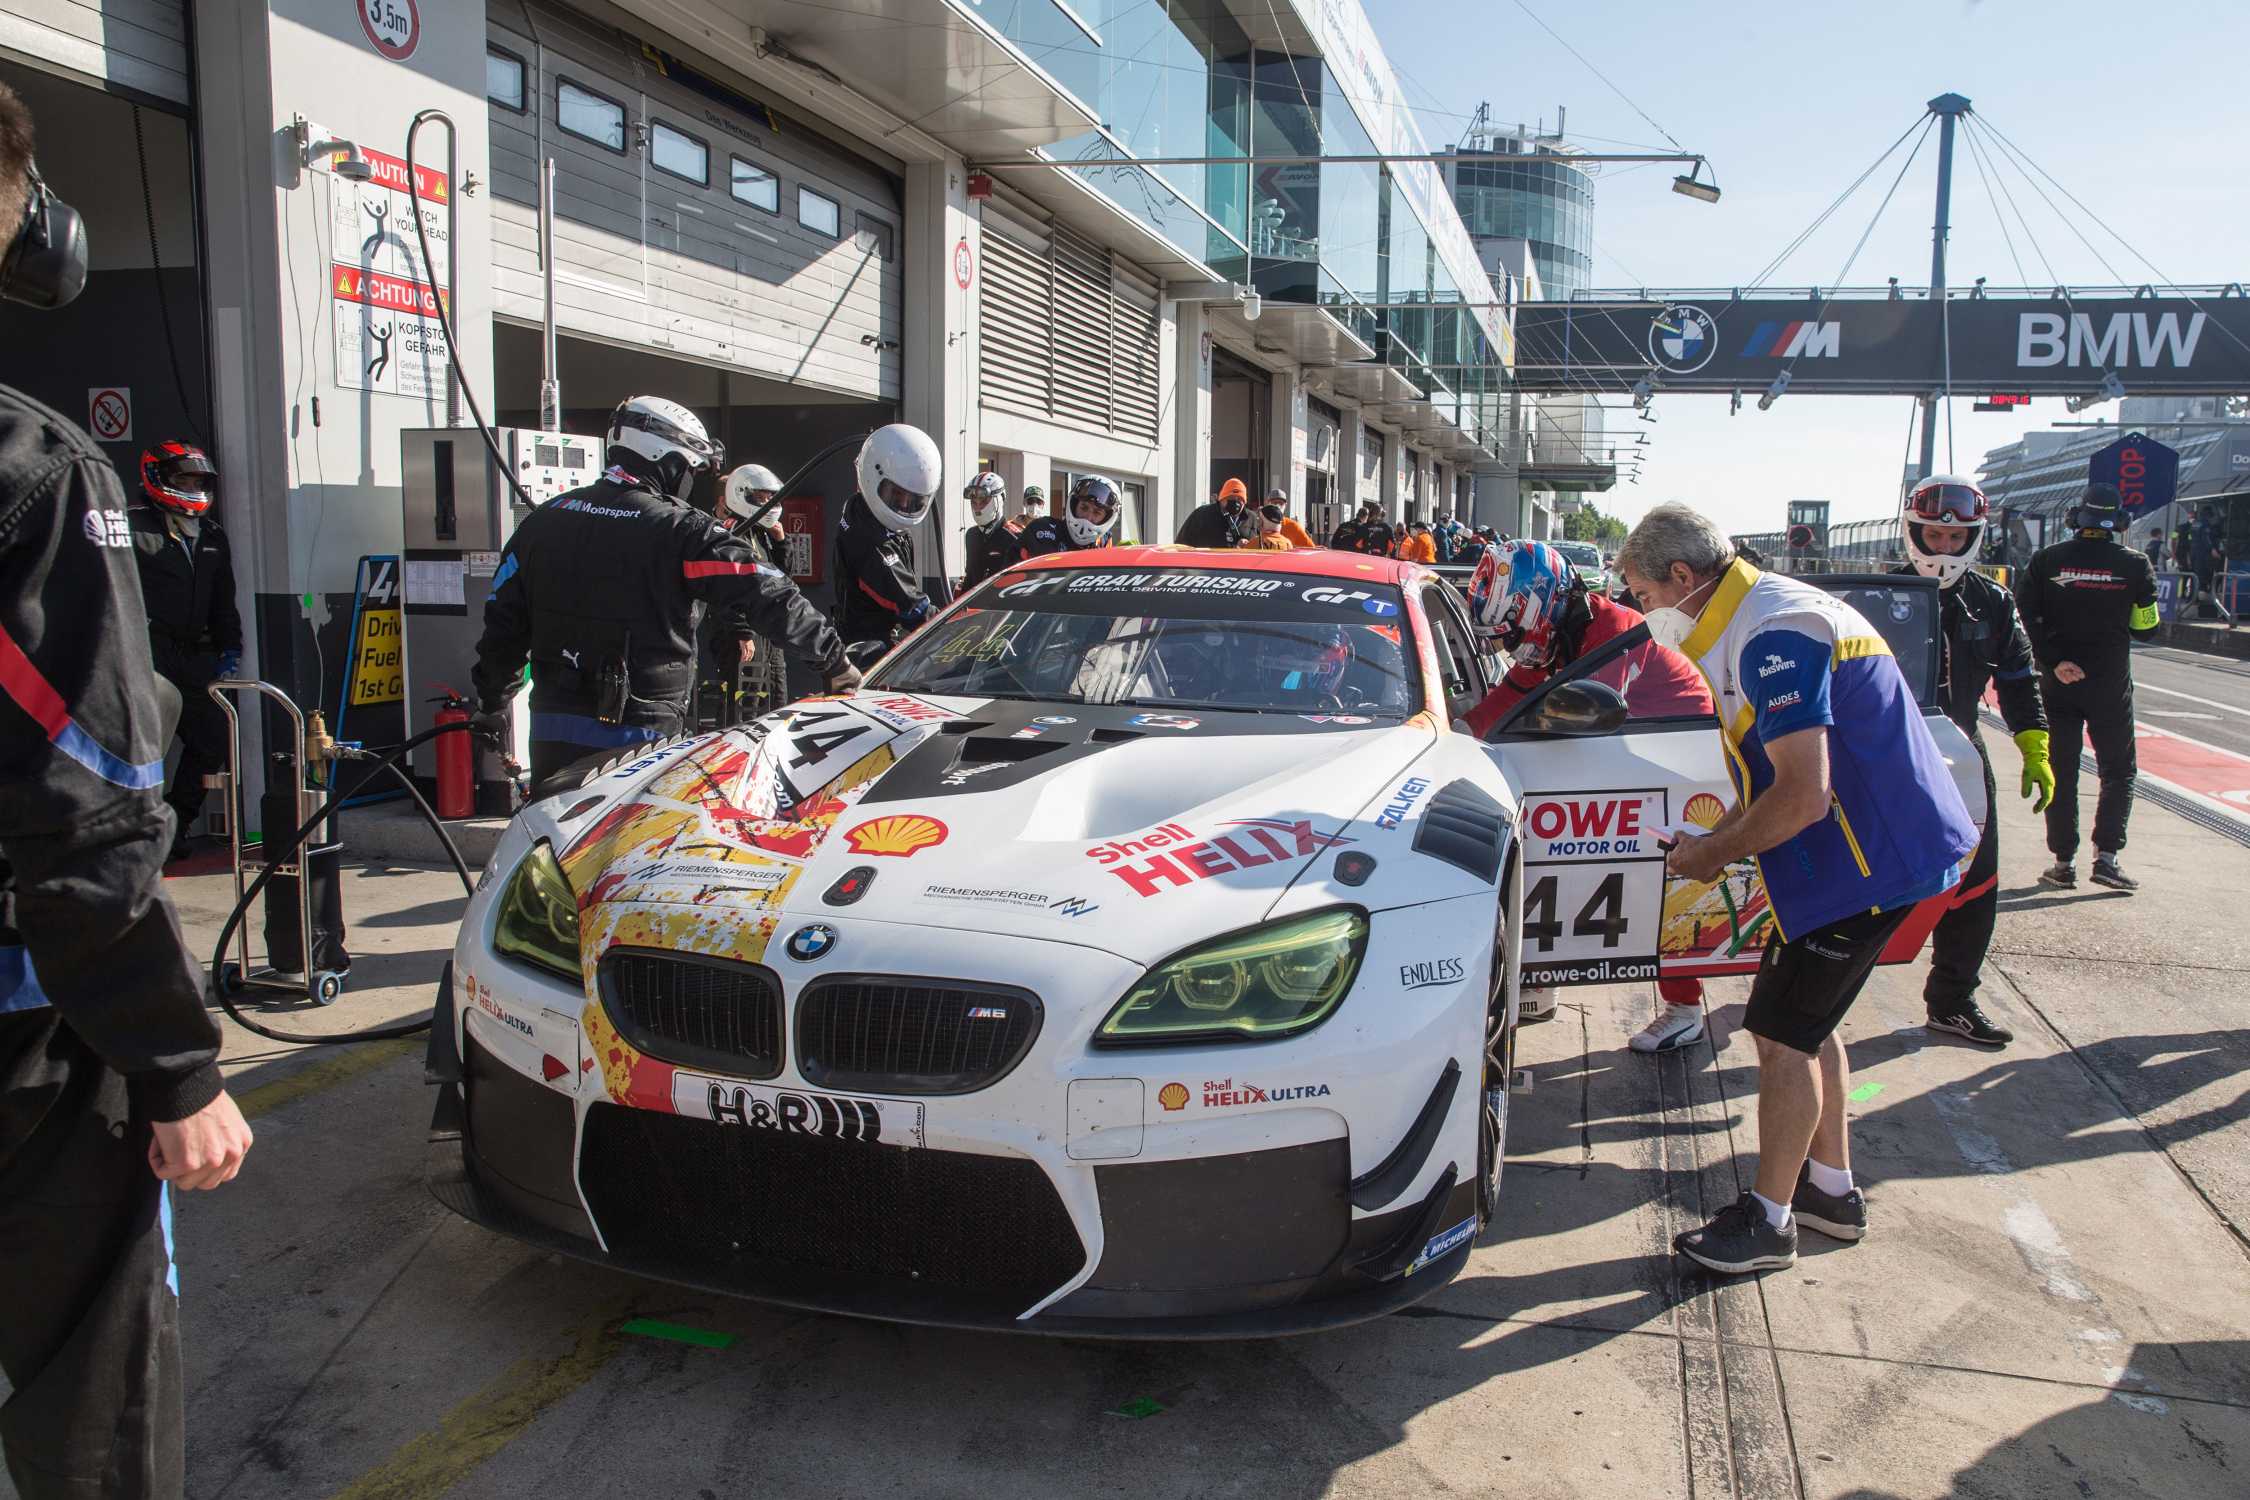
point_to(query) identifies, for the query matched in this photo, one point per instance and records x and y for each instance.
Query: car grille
(719, 1199)
(887, 1034)
(705, 1012)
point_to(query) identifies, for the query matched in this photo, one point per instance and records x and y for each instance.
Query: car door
(1598, 906)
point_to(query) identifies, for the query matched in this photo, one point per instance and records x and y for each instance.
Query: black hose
(276, 856)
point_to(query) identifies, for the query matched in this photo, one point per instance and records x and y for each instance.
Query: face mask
(1669, 625)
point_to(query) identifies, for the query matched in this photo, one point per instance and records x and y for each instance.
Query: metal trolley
(321, 986)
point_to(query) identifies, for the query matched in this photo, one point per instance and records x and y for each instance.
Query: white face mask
(1669, 625)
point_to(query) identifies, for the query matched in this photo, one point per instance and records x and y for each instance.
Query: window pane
(756, 186)
(821, 215)
(503, 80)
(590, 115)
(679, 154)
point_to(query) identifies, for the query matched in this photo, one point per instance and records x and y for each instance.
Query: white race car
(1135, 954)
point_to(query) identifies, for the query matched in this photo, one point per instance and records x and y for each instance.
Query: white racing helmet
(1944, 500)
(987, 495)
(899, 470)
(1094, 489)
(748, 488)
(663, 442)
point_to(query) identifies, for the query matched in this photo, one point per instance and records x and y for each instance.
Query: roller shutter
(135, 44)
(1070, 330)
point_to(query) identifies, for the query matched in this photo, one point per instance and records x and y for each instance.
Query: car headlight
(1249, 986)
(538, 920)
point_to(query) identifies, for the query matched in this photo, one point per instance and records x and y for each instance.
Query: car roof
(1303, 562)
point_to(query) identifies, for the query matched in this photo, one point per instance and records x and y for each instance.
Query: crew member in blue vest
(1851, 813)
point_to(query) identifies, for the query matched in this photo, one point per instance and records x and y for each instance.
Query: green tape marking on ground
(1864, 1092)
(1139, 1406)
(651, 1328)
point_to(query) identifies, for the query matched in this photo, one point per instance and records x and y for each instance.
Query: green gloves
(2038, 776)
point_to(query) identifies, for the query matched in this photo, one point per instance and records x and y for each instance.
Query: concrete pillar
(938, 375)
(1191, 417)
(1285, 441)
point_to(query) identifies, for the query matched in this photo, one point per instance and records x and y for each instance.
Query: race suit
(1045, 535)
(877, 590)
(2085, 601)
(1657, 684)
(990, 548)
(598, 591)
(187, 583)
(1984, 644)
(102, 1021)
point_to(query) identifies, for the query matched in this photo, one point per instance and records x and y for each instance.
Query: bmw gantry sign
(2053, 346)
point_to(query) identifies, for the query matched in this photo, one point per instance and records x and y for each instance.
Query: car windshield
(1253, 642)
(1581, 554)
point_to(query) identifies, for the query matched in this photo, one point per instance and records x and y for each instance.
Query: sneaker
(1739, 1240)
(1972, 1023)
(1839, 1217)
(1535, 1005)
(1675, 1026)
(2107, 873)
(2061, 873)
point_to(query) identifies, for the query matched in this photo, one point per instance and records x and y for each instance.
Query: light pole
(1949, 108)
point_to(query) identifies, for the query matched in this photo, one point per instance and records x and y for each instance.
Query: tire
(1494, 1078)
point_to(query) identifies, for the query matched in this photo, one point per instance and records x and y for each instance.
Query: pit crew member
(877, 590)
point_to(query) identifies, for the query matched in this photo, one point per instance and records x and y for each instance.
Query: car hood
(1133, 831)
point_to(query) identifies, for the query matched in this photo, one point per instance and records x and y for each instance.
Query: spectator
(1853, 828)
(1269, 537)
(1219, 522)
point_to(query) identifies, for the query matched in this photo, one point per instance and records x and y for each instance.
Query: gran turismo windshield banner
(1196, 594)
(2059, 346)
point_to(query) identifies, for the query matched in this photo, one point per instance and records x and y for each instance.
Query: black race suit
(102, 1025)
(187, 582)
(2085, 601)
(608, 577)
(1045, 535)
(877, 589)
(991, 548)
(1984, 643)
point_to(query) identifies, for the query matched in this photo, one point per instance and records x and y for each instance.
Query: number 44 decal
(1602, 916)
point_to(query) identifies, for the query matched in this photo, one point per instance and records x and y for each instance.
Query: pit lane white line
(2150, 687)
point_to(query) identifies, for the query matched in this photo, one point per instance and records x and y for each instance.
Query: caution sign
(383, 308)
(378, 669)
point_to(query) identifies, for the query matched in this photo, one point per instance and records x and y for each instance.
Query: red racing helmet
(178, 477)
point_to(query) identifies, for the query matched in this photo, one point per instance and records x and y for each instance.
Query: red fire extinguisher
(456, 760)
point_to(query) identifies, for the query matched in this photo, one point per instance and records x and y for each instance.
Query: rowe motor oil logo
(1593, 825)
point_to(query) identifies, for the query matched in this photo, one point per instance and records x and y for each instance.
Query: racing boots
(2106, 872)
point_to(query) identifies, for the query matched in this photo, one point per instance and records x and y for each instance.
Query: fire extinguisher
(456, 759)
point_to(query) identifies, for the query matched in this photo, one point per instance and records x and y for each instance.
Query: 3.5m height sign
(387, 334)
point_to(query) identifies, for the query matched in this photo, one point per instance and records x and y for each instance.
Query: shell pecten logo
(1704, 810)
(1173, 1096)
(899, 835)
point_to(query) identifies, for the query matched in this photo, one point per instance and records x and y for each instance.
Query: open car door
(1596, 785)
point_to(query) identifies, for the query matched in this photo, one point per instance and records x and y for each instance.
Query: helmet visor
(1948, 504)
(905, 503)
(198, 484)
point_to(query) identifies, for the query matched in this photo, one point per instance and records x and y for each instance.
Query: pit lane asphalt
(2055, 1297)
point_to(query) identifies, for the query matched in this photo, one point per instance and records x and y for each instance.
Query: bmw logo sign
(1682, 338)
(810, 942)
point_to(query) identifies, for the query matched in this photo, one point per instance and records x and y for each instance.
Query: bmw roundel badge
(812, 941)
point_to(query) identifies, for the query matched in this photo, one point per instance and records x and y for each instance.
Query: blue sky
(2143, 122)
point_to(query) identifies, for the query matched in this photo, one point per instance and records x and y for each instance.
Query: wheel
(1492, 1104)
(230, 979)
(327, 987)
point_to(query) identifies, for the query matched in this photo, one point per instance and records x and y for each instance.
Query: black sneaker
(1839, 1217)
(2107, 873)
(1972, 1023)
(1739, 1240)
(2060, 873)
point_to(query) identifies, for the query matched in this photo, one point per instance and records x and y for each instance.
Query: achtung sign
(388, 337)
(378, 671)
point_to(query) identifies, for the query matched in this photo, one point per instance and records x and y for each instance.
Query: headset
(44, 264)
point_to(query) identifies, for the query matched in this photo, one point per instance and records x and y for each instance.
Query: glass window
(756, 186)
(873, 236)
(590, 116)
(819, 213)
(503, 79)
(677, 152)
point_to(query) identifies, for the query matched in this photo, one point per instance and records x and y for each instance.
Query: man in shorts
(1852, 812)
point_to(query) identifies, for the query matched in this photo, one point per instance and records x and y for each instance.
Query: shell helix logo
(899, 836)
(1704, 810)
(1173, 1096)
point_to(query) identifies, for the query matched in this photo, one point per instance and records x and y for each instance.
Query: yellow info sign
(380, 675)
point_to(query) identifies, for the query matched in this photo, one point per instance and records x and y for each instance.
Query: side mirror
(1582, 707)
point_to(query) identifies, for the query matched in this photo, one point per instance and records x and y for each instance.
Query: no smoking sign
(109, 413)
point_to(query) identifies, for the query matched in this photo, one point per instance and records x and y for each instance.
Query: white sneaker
(1675, 1026)
(1535, 1005)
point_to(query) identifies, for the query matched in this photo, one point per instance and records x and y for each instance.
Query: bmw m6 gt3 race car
(1136, 953)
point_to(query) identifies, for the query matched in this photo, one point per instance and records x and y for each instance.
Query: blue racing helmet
(1520, 593)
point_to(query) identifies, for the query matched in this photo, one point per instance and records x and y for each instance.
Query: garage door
(135, 44)
(689, 218)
